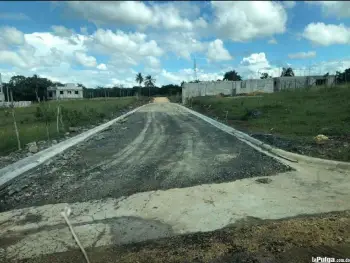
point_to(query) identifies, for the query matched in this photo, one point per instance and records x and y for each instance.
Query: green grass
(32, 126)
(299, 115)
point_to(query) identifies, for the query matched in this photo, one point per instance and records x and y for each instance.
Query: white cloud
(152, 62)
(339, 9)
(11, 36)
(158, 15)
(62, 31)
(186, 75)
(182, 44)
(12, 58)
(44, 42)
(85, 60)
(289, 4)
(255, 64)
(272, 41)
(123, 12)
(133, 44)
(168, 16)
(102, 66)
(325, 35)
(302, 55)
(243, 21)
(217, 51)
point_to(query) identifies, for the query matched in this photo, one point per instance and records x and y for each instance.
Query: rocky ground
(331, 147)
(165, 148)
(34, 147)
(162, 147)
(328, 149)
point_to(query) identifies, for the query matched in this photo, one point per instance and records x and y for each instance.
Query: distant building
(270, 85)
(2, 94)
(68, 91)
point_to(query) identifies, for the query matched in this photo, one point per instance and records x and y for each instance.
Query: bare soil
(251, 240)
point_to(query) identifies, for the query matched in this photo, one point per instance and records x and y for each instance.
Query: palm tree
(149, 82)
(287, 72)
(139, 80)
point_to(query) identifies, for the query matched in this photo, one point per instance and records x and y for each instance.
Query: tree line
(340, 77)
(34, 88)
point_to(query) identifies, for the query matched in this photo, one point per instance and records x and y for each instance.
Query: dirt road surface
(159, 173)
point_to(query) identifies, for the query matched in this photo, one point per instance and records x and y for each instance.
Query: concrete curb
(289, 156)
(13, 170)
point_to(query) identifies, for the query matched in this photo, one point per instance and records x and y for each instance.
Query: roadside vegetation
(289, 119)
(50, 120)
(39, 121)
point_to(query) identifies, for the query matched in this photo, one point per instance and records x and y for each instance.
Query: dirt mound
(160, 99)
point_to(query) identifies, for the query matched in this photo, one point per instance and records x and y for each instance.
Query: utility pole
(195, 69)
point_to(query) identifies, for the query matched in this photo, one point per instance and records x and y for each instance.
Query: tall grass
(32, 120)
(301, 112)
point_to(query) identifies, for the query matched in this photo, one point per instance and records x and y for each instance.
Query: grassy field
(31, 121)
(297, 116)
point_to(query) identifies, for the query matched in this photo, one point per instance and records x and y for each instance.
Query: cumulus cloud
(302, 55)
(339, 9)
(102, 66)
(12, 58)
(217, 51)
(255, 64)
(182, 44)
(158, 15)
(186, 75)
(152, 62)
(85, 60)
(325, 35)
(243, 21)
(123, 12)
(62, 31)
(11, 36)
(134, 44)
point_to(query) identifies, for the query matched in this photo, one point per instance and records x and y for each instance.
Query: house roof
(67, 86)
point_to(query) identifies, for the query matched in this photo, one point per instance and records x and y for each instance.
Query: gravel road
(161, 146)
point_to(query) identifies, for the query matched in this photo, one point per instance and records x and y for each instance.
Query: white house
(68, 91)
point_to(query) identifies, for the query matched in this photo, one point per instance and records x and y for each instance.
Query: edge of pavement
(289, 156)
(15, 169)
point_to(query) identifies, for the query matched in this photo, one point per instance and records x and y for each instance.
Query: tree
(287, 72)
(139, 80)
(149, 82)
(29, 88)
(232, 76)
(342, 77)
(265, 76)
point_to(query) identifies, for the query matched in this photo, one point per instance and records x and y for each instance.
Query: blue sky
(107, 43)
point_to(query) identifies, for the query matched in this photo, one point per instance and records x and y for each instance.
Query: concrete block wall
(16, 104)
(231, 88)
(253, 85)
(212, 88)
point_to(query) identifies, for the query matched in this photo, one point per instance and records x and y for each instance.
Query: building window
(61, 92)
(320, 82)
(76, 92)
(69, 92)
(50, 93)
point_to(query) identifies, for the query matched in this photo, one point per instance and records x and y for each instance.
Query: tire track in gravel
(159, 147)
